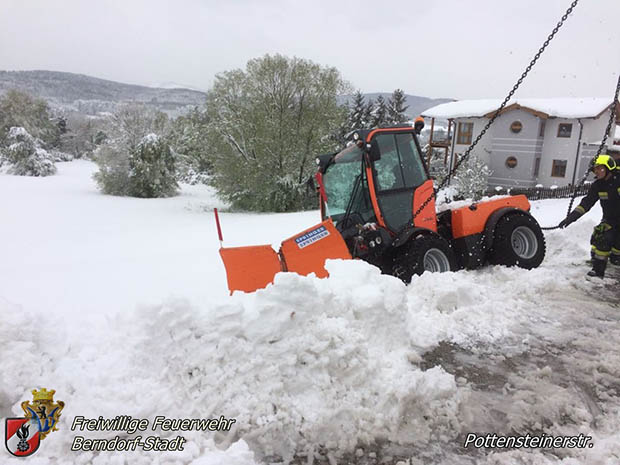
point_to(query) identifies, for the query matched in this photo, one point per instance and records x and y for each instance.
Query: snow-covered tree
(357, 112)
(267, 125)
(396, 108)
(147, 171)
(134, 160)
(380, 113)
(131, 123)
(471, 179)
(83, 135)
(369, 112)
(113, 175)
(19, 109)
(437, 169)
(151, 169)
(188, 140)
(25, 155)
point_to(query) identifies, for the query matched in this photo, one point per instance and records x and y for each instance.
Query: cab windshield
(343, 178)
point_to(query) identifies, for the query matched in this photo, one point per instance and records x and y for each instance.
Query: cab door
(398, 172)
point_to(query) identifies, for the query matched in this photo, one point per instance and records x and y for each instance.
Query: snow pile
(304, 364)
(307, 363)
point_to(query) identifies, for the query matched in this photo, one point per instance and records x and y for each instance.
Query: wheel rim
(436, 261)
(524, 242)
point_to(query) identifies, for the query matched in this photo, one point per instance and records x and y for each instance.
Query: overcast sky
(448, 48)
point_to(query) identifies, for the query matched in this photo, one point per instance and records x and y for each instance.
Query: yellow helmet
(605, 160)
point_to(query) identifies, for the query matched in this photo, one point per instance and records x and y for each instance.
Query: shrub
(25, 155)
(147, 171)
(113, 175)
(152, 172)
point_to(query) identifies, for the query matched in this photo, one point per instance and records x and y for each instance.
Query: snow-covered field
(121, 306)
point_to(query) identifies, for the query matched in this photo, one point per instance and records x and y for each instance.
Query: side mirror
(418, 125)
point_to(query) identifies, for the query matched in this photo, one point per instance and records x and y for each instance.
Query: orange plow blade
(254, 267)
(250, 268)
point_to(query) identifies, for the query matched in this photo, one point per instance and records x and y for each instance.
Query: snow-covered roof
(586, 107)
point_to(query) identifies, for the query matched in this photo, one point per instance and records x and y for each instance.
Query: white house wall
(558, 148)
(593, 133)
(482, 149)
(525, 146)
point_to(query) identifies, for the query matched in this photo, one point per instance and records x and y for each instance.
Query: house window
(541, 129)
(565, 129)
(558, 169)
(465, 132)
(516, 127)
(536, 166)
(511, 162)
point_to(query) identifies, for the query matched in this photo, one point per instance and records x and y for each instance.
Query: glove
(571, 218)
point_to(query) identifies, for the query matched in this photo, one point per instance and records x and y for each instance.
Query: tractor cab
(377, 182)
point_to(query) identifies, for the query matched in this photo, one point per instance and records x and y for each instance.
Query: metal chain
(499, 110)
(612, 117)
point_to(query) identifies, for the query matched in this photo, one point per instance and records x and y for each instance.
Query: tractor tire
(517, 241)
(428, 252)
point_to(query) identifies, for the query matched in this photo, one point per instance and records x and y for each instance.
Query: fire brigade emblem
(23, 435)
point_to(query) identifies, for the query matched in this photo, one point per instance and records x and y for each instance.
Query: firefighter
(605, 238)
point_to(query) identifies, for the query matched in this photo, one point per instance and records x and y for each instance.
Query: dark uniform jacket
(608, 192)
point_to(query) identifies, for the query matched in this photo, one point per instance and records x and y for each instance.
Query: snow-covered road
(121, 306)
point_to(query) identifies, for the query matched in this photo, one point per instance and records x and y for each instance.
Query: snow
(586, 107)
(16, 131)
(121, 306)
(150, 138)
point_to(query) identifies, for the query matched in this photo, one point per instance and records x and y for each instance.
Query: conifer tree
(369, 114)
(25, 155)
(380, 115)
(396, 108)
(357, 112)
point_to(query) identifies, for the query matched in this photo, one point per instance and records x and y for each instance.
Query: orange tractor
(377, 204)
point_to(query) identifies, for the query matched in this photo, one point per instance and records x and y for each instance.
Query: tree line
(379, 112)
(254, 140)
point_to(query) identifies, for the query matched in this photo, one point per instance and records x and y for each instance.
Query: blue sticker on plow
(311, 237)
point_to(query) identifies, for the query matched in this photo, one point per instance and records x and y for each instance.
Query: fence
(539, 193)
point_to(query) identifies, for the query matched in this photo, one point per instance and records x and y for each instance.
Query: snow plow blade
(254, 267)
(250, 268)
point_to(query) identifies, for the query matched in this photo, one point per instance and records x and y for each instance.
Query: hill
(90, 95)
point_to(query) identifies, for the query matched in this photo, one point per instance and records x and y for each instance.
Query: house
(533, 141)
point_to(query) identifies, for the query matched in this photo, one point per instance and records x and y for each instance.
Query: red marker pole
(219, 229)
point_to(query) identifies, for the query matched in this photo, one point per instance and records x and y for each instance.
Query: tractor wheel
(518, 240)
(424, 253)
